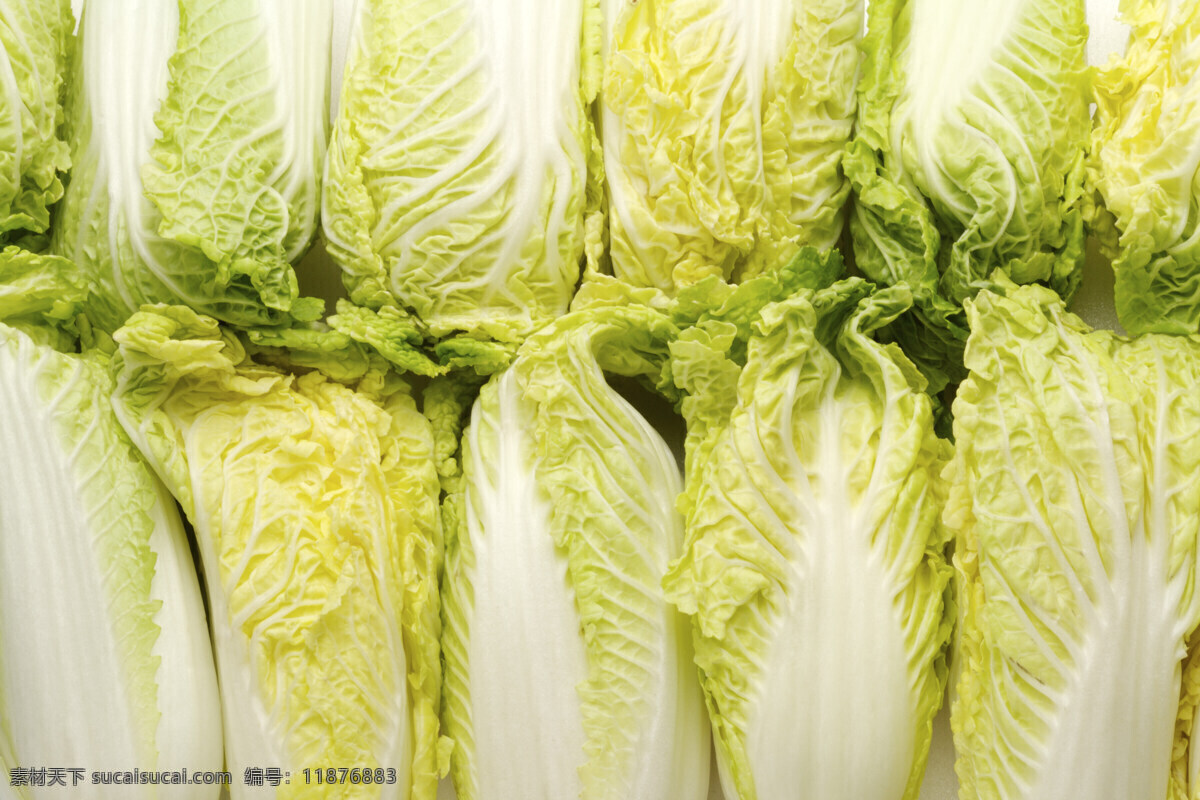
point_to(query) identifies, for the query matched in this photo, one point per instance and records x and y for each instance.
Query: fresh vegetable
(35, 43)
(723, 125)
(814, 562)
(1075, 500)
(536, 206)
(1146, 167)
(567, 673)
(197, 130)
(314, 503)
(968, 156)
(105, 662)
(456, 178)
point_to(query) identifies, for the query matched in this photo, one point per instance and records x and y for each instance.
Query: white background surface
(1094, 303)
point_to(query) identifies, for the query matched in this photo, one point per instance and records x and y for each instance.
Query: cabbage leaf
(35, 43)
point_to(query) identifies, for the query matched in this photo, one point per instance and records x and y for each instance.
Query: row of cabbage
(505, 577)
(469, 174)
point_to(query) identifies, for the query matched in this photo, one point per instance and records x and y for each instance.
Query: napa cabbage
(1075, 490)
(814, 564)
(723, 125)
(315, 506)
(968, 156)
(456, 180)
(198, 131)
(567, 672)
(1146, 167)
(105, 661)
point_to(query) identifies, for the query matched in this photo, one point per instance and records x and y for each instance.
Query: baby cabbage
(197, 129)
(968, 155)
(814, 561)
(568, 675)
(1074, 499)
(315, 506)
(455, 185)
(1146, 167)
(35, 43)
(723, 125)
(105, 661)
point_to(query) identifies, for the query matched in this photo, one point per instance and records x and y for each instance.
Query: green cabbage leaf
(35, 44)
